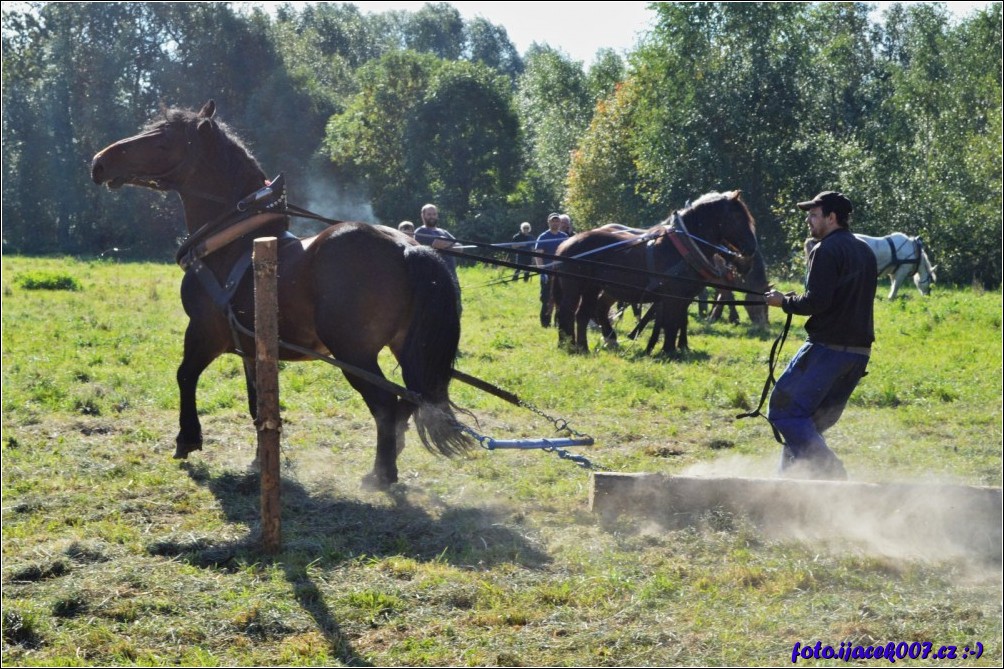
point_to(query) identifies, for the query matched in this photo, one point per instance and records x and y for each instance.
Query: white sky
(577, 28)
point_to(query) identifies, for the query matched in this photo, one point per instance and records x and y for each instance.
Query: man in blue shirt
(548, 242)
(432, 235)
(839, 301)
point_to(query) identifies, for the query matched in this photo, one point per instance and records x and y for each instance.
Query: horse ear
(208, 110)
(206, 115)
(735, 195)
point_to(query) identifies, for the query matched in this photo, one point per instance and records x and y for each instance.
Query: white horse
(899, 256)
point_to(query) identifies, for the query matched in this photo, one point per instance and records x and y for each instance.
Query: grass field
(113, 553)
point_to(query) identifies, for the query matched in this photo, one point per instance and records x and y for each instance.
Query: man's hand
(440, 243)
(774, 298)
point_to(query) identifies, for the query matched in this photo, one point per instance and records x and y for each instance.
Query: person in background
(566, 224)
(430, 234)
(522, 240)
(407, 227)
(548, 242)
(839, 300)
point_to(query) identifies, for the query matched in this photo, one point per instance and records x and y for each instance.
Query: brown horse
(665, 264)
(349, 291)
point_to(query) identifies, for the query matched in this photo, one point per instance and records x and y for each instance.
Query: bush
(48, 281)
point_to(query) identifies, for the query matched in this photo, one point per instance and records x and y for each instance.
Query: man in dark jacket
(522, 241)
(838, 299)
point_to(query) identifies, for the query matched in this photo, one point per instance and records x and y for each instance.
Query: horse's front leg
(566, 304)
(897, 278)
(250, 380)
(199, 352)
(606, 326)
(673, 321)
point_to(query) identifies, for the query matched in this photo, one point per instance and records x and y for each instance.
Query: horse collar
(896, 261)
(685, 246)
(199, 246)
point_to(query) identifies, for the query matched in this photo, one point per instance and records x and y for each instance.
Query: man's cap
(553, 215)
(832, 200)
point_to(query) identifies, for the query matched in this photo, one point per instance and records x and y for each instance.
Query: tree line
(372, 115)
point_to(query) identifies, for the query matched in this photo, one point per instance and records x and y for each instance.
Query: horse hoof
(183, 447)
(377, 483)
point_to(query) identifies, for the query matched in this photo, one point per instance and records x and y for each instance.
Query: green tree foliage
(785, 100)
(61, 61)
(422, 130)
(366, 142)
(464, 141)
(607, 70)
(489, 44)
(603, 179)
(721, 89)
(901, 110)
(555, 105)
(942, 159)
(436, 28)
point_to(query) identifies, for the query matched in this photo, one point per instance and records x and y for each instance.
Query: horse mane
(713, 198)
(236, 152)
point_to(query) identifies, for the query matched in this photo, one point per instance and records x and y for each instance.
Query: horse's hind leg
(404, 411)
(566, 303)
(654, 314)
(391, 420)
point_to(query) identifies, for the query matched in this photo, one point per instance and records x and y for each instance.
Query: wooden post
(269, 424)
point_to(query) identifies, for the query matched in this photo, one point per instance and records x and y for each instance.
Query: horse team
(355, 289)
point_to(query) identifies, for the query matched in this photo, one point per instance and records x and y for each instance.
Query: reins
(775, 352)
(552, 269)
(272, 198)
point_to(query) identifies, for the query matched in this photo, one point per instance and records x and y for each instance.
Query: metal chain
(560, 424)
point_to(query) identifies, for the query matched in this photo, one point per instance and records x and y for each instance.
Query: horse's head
(160, 157)
(925, 276)
(723, 219)
(178, 147)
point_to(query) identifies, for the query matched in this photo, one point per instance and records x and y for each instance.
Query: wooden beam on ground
(928, 519)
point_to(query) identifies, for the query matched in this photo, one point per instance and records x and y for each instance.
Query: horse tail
(430, 348)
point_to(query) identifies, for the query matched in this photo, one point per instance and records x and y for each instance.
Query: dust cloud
(923, 520)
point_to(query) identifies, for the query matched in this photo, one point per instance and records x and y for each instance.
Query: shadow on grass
(322, 530)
